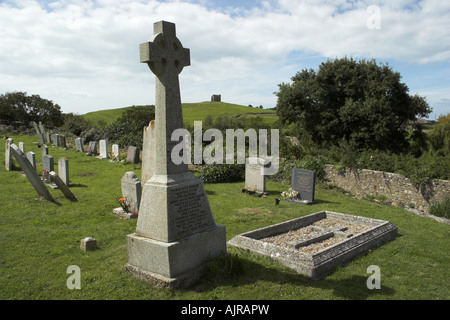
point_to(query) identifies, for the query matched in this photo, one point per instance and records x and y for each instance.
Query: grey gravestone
(92, 149)
(43, 132)
(133, 154)
(8, 155)
(31, 173)
(41, 138)
(79, 144)
(176, 233)
(48, 165)
(22, 147)
(32, 158)
(131, 192)
(62, 142)
(115, 152)
(62, 186)
(103, 149)
(63, 170)
(255, 178)
(88, 244)
(148, 152)
(56, 140)
(47, 137)
(36, 128)
(303, 181)
(44, 151)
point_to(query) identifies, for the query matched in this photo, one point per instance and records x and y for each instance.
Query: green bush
(313, 163)
(441, 209)
(217, 173)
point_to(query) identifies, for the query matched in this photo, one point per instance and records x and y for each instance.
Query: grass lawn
(39, 240)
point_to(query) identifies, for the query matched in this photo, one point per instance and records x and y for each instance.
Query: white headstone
(103, 149)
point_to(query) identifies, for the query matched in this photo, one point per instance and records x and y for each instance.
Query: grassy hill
(195, 111)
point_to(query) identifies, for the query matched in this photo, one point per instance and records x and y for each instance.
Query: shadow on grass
(233, 270)
(77, 185)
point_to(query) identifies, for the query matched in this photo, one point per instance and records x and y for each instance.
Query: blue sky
(83, 55)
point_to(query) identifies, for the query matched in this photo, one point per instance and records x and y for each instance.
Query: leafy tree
(128, 129)
(359, 101)
(17, 106)
(75, 123)
(439, 136)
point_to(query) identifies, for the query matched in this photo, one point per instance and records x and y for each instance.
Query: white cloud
(84, 55)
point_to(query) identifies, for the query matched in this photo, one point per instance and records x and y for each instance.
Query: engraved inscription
(191, 212)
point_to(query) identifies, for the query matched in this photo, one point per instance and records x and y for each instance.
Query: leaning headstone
(115, 152)
(43, 132)
(255, 178)
(41, 138)
(48, 137)
(31, 173)
(44, 151)
(48, 165)
(22, 147)
(303, 181)
(176, 232)
(63, 170)
(148, 152)
(103, 149)
(131, 196)
(36, 128)
(79, 144)
(133, 154)
(8, 155)
(62, 186)
(31, 156)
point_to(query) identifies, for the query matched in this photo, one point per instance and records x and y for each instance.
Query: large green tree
(361, 102)
(19, 107)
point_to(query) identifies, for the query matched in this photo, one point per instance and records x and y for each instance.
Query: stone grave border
(323, 262)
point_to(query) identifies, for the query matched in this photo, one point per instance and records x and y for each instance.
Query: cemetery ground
(39, 240)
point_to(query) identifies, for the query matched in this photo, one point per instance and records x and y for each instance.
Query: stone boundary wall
(399, 190)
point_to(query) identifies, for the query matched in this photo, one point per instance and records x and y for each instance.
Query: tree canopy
(19, 107)
(360, 102)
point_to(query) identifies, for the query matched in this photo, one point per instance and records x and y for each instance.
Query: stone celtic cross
(166, 58)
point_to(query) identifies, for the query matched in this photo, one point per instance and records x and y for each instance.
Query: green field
(39, 240)
(194, 111)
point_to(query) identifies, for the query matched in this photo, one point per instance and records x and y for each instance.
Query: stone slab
(62, 186)
(303, 181)
(318, 264)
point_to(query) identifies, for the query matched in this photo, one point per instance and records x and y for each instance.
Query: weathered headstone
(44, 151)
(115, 152)
(48, 165)
(88, 244)
(79, 144)
(103, 149)
(148, 152)
(62, 186)
(62, 141)
(131, 195)
(8, 155)
(56, 140)
(43, 132)
(48, 137)
(41, 138)
(255, 178)
(63, 170)
(92, 149)
(176, 232)
(133, 154)
(303, 181)
(31, 156)
(22, 147)
(30, 172)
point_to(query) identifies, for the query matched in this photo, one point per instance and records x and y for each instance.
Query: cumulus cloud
(84, 54)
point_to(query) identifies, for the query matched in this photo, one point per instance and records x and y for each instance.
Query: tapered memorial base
(174, 264)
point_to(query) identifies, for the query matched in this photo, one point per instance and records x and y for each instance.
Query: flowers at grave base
(124, 204)
(290, 194)
(45, 175)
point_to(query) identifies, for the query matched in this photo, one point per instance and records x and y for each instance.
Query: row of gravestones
(27, 164)
(100, 149)
(302, 181)
(45, 136)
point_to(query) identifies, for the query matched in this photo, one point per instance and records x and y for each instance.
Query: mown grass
(39, 240)
(194, 112)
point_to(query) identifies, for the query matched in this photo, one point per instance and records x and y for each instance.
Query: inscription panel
(189, 210)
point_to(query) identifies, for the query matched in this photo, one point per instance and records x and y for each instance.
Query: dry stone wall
(398, 189)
